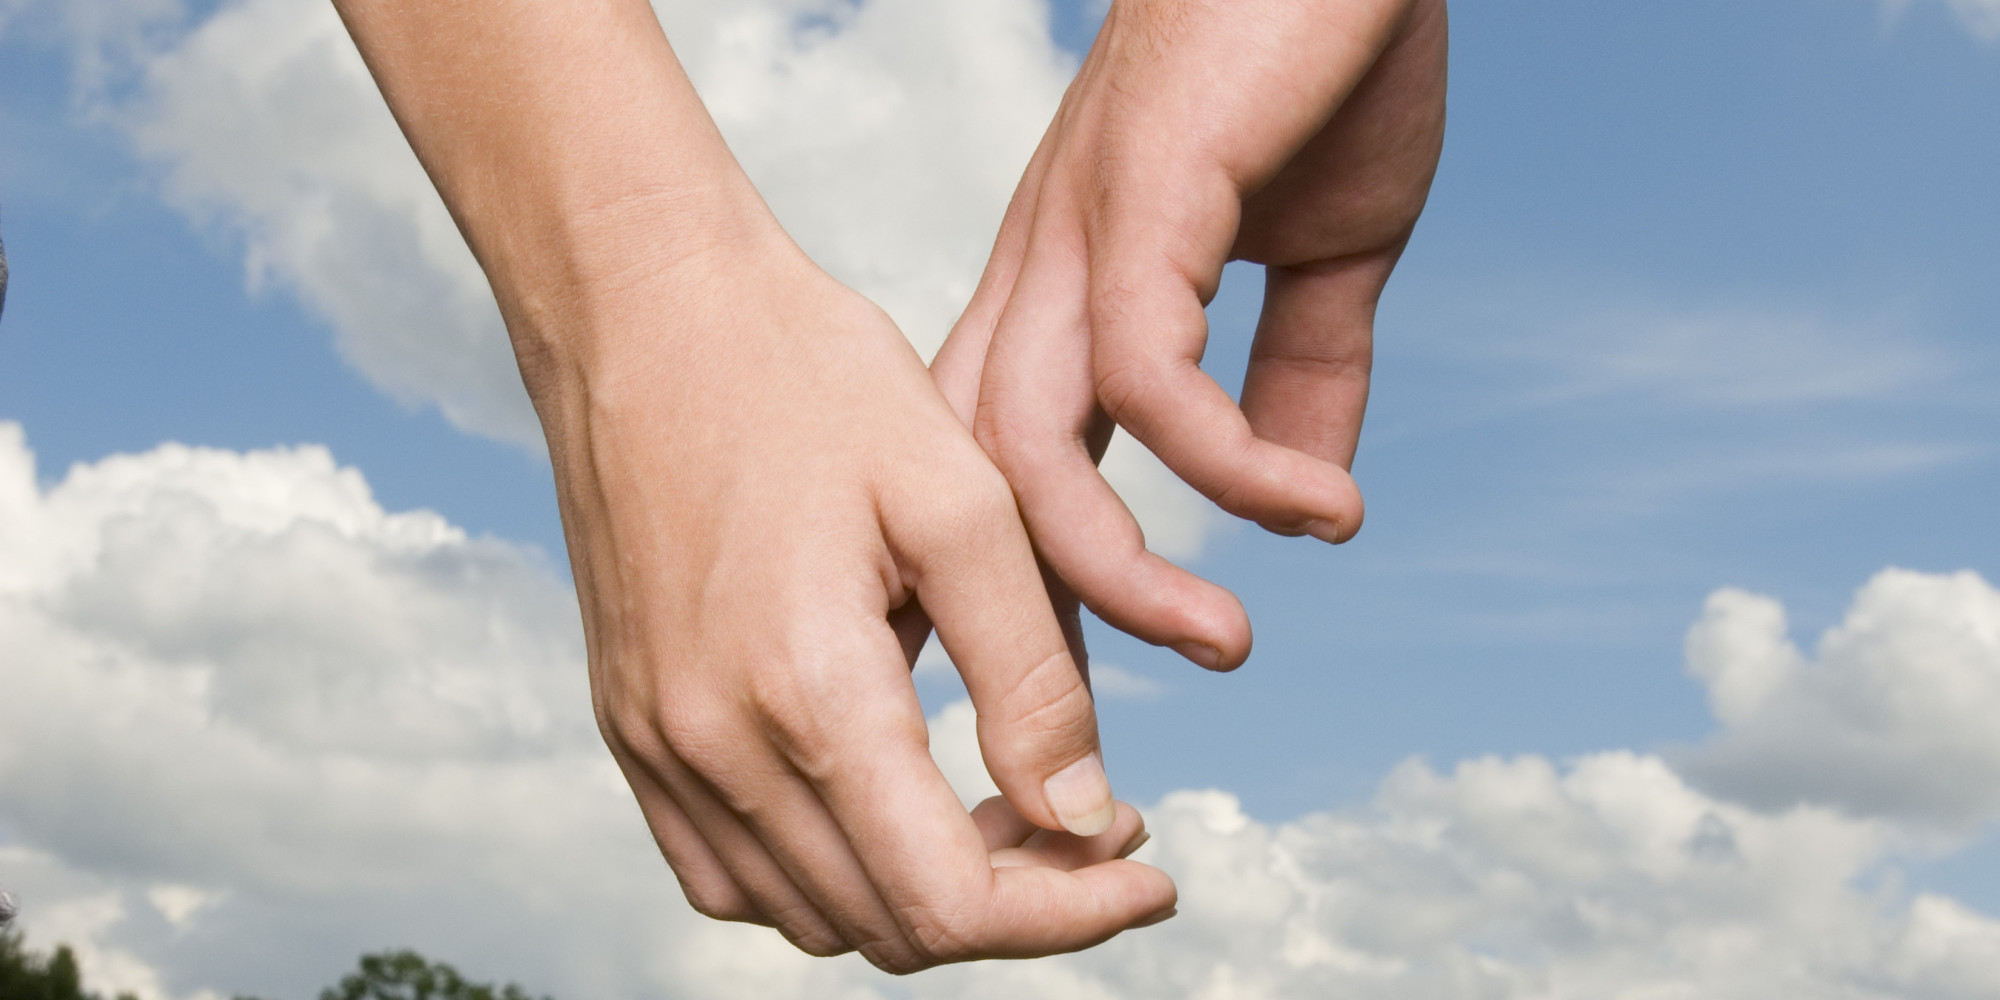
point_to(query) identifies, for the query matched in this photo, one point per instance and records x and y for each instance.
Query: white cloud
(179, 904)
(1713, 356)
(1175, 518)
(887, 135)
(244, 699)
(1519, 879)
(1728, 397)
(955, 747)
(200, 788)
(1894, 717)
(1109, 680)
(1823, 456)
(263, 121)
(75, 908)
(1980, 17)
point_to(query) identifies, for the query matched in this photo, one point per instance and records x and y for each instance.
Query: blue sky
(1704, 298)
(1541, 531)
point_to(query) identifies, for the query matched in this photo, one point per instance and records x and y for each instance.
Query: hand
(1298, 134)
(741, 540)
(763, 493)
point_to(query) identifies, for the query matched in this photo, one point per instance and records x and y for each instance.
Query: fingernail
(1080, 797)
(1324, 530)
(1204, 655)
(1132, 846)
(1159, 918)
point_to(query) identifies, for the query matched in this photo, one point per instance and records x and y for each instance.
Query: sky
(1666, 664)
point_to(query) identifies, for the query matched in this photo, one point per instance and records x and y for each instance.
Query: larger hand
(757, 474)
(1299, 134)
(741, 540)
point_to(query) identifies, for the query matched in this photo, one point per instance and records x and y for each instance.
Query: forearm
(571, 150)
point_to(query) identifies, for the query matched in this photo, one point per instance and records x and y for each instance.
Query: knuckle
(648, 722)
(674, 742)
(809, 933)
(988, 499)
(694, 731)
(997, 435)
(825, 944)
(1314, 363)
(718, 901)
(975, 506)
(1010, 446)
(896, 958)
(629, 729)
(938, 933)
(799, 710)
(1228, 495)
(1050, 705)
(1123, 384)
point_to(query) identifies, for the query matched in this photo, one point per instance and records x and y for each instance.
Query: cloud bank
(256, 724)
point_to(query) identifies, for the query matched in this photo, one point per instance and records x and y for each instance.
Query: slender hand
(759, 482)
(1298, 134)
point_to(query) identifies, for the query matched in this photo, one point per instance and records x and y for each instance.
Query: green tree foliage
(25, 975)
(405, 975)
(391, 975)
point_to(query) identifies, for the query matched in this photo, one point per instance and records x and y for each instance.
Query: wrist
(644, 295)
(575, 157)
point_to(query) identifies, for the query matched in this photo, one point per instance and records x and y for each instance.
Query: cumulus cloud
(256, 724)
(242, 700)
(887, 136)
(1894, 716)
(263, 122)
(1608, 877)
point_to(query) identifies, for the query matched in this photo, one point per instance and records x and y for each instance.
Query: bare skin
(768, 501)
(1298, 134)
(759, 482)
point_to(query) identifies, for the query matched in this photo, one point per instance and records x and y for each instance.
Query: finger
(1069, 617)
(1001, 825)
(1105, 898)
(1004, 828)
(1307, 383)
(708, 885)
(1035, 417)
(913, 627)
(962, 358)
(821, 855)
(1150, 331)
(1068, 852)
(969, 560)
(738, 849)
